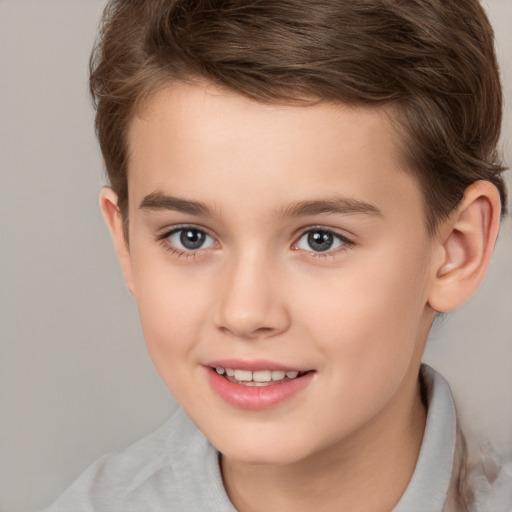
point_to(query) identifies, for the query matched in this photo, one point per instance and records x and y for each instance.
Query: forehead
(216, 145)
(205, 113)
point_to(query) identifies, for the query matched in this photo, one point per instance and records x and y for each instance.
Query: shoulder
(145, 476)
(490, 480)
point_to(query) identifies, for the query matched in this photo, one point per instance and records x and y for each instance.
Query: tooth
(257, 384)
(262, 376)
(230, 372)
(292, 375)
(244, 375)
(219, 370)
(278, 375)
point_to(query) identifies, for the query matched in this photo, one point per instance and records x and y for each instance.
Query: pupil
(320, 240)
(192, 238)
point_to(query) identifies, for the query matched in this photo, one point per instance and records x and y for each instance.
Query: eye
(190, 239)
(321, 240)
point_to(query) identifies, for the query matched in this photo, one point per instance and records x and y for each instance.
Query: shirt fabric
(176, 469)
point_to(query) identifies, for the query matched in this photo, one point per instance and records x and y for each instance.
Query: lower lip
(256, 397)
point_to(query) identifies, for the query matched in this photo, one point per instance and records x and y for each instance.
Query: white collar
(428, 488)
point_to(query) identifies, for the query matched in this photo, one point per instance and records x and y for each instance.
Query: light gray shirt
(176, 469)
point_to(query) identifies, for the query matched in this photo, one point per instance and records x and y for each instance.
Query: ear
(466, 241)
(114, 220)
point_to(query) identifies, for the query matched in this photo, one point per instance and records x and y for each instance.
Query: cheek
(172, 311)
(370, 312)
(368, 329)
(171, 324)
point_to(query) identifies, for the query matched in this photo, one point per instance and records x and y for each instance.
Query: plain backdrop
(75, 379)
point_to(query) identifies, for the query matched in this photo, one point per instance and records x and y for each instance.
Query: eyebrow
(160, 201)
(339, 205)
(333, 205)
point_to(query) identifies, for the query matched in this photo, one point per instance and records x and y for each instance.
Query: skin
(358, 315)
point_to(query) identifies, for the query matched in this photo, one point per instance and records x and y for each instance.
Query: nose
(252, 303)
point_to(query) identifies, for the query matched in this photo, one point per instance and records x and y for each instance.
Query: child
(297, 188)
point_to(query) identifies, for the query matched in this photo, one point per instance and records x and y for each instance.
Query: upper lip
(253, 365)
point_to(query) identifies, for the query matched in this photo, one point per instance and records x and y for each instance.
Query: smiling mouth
(258, 378)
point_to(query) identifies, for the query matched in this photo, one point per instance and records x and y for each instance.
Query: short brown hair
(432, 61)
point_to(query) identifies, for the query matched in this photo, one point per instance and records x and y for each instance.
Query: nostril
(259, 332)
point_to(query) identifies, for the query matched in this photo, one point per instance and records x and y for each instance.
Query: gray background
(74, 375)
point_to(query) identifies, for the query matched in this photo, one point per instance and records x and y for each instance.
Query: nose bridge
(251, 303)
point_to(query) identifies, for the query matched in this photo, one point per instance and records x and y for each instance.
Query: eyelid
(347, 242)
(164, 236)
(321, 227)
(169, 230)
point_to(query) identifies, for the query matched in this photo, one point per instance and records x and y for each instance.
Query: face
(281, 265)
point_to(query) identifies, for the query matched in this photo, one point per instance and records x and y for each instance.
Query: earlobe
(466, 241)
(113, 218)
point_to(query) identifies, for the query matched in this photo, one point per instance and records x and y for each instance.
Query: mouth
(257, 386)
(259, 378)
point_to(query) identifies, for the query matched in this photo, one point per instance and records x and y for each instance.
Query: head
(431, 63)
(302, 185)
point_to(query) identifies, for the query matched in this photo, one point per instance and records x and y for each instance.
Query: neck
(368, 472)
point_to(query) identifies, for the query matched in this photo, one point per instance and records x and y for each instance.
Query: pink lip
(256, 397)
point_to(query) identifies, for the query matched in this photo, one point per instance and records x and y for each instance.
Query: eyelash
(163, 239)
(345, 242)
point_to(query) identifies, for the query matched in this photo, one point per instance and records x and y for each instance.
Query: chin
(268, 452)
